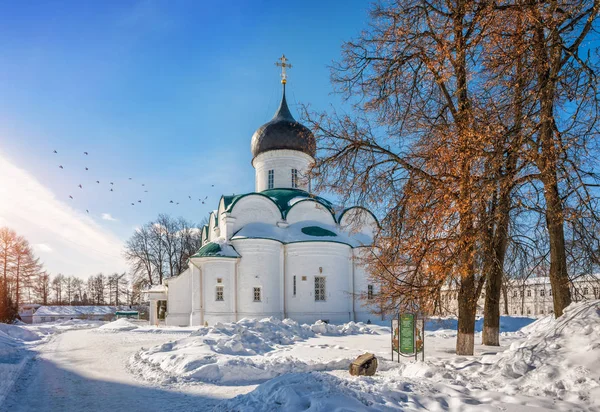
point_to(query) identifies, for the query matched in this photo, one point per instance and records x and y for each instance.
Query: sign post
(408, 336)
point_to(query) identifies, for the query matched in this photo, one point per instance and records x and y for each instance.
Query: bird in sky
(190, 197)
(81, 187)
(97, 181)
(87, 168)
(130, 178)
(171, 201)
(111, 189)
(145, 191)
(203, 202)
(133, 204)
(55, 151)
(212, 185)
(206, 198)
(111, 183)
(143, 184)
(61, 167)
(177, 203)
(139, 201)
(85, 153)
(87, 210)
(70, 197)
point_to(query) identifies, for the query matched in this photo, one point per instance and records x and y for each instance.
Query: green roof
(212, 249)
(317, 231)
(282, 198)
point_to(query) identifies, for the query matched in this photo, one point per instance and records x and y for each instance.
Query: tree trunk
(505, 294)
(559, 278)
(548, 55)
(467, 308)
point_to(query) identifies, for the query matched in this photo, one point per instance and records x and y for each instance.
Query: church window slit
(257, 294)
(271, 179)
(370, 292)
(319, 288)
(294, 285)
(219, 294)
(294, 178)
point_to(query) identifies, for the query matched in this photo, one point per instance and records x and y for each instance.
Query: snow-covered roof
(75, 310)
(306, 231)
(157, 289)
(283, 198)
(217, 248)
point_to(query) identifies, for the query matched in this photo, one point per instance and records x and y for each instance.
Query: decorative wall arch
(310, 209)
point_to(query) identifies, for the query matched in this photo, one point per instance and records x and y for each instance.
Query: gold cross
(283, 63)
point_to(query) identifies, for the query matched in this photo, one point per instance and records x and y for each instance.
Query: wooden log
(365, 365)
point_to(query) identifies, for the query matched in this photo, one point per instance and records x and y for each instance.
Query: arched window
(294, 178)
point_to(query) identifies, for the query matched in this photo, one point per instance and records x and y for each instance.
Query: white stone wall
(260, 266)
(213, 269)
(313, 259)
(179, 302)
(363, 310)
(281, 162)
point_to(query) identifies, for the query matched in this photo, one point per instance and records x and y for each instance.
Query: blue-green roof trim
(358, 207)
(324, 240)
(281, 198)
(212, 249)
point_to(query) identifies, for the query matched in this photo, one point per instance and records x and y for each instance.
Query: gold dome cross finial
(284, 64)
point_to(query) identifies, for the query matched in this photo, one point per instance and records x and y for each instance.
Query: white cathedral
(278, 251)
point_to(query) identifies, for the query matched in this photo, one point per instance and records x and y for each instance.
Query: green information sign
(407, 333)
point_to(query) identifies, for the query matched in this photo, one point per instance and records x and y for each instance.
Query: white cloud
(80, 246)
(107, 216)
(42, 247)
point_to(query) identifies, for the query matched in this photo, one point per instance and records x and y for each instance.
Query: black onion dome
(283, 132)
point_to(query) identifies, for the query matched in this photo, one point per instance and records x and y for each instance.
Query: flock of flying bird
(112, 189)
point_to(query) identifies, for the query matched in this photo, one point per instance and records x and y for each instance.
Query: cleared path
(86, 370)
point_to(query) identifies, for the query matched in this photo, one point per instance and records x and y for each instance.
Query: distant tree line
(160, 249)
(20, 271)
(23, 279)
(116, 289)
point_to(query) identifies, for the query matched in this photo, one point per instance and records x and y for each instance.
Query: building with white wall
(278, 251)
(526, 297)
(61, 313)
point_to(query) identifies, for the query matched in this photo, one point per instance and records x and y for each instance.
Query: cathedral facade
(278, 251)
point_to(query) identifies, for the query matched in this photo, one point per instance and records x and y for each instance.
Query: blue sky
(167, 93)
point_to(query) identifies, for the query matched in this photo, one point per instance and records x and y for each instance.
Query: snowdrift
(119, 325)
(238, 352)
(298, 392)
(18, 333)
(559, 357)
(555, 358)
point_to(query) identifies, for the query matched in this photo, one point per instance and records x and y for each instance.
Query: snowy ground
(282, 366)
